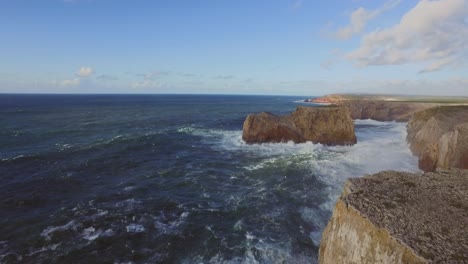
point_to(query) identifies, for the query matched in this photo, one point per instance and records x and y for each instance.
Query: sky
(277, 47)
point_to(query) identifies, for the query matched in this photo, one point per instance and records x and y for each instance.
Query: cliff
(384, 110)
(328, 99)
(396, 217)
(380, 108)
(439, 137)
(325, 125)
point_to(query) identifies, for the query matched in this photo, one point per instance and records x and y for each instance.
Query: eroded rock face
(267, 127)
(397, 217)
(325, 125)
(439, 137)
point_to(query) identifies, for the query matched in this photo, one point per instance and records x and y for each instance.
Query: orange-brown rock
(325, 125)
(439, 137)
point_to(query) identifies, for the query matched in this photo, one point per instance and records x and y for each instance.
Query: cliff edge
(397, 217)
(325, 125)
(377, 107)
(439, 137)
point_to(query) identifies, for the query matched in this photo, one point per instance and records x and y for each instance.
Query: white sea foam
(129, 188)
(170, 227)
(13, 158)
(63, 146)
(43, 249)
(91, 233)
(187, 130)
(49, 231)
(381, 146)
(259, 251)
(135, 228)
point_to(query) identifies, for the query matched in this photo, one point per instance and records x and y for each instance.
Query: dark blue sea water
(167, 179)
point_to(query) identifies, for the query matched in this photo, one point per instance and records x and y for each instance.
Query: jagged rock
(397, 217)
(439, 137)
(326, 125)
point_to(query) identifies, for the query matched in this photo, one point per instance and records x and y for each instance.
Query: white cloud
(67, 82)
(438, 64)
(434, 32)
(360, 17)
(85, 72)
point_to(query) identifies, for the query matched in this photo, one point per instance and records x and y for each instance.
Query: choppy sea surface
(168, 179)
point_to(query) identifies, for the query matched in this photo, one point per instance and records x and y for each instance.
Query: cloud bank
(433, 32)
(85, 72)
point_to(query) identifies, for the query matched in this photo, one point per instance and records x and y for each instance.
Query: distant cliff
(396, 217)
(380, 108)
(325, 125)
(384, 110)
(439, 137)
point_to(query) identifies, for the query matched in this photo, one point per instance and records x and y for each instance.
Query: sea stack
(398, 217)
(439, 137)
(325, 125)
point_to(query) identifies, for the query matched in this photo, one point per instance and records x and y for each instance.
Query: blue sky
(290, 47)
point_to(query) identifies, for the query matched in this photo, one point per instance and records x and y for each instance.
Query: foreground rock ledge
(325, 125)
(439, 137)
(396, 217)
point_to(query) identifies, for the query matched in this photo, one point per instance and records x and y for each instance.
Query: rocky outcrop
(328, 99)
(267, 127)
(335, 98)
(380, 108)
(397, 217)
(439, 137)
(325, 125)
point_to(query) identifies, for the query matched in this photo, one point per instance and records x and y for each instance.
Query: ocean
(168, 179)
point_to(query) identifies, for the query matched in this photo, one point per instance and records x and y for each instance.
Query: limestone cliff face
(351, 238)
(396, 217)
(325, 125)
(439, 137)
